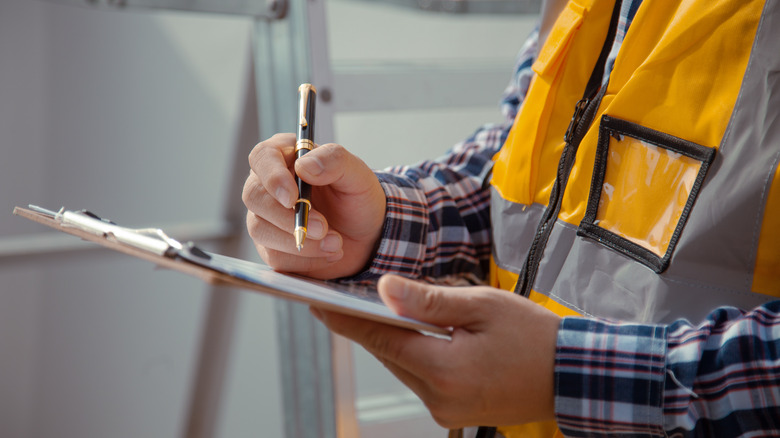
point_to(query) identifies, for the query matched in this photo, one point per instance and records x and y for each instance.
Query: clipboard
(155, 246)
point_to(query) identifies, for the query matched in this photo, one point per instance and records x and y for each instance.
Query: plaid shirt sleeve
(720, 379)
(437, 226)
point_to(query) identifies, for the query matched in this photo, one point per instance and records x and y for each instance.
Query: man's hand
(348, 208)
(498, 367)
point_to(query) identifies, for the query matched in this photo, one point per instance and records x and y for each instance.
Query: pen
(303, 144)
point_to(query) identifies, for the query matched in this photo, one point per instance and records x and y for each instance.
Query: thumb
(332, 164)
(442, 306)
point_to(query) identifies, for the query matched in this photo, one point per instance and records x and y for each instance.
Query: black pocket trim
(608, 127)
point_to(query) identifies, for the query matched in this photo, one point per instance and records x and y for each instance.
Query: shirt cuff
(609, 378)
(401, 247)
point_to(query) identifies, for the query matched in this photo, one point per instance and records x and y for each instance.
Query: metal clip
(303, 90)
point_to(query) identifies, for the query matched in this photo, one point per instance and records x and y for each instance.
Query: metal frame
(268, 9)
(318, 400)
(472, 6)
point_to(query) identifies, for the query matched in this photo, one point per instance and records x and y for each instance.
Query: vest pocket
(559, 40)
(644, 185)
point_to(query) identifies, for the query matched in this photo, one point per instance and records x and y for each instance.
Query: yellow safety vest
(663, 200)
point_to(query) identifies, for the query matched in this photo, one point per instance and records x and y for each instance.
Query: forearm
(721, 378)
(437, 223)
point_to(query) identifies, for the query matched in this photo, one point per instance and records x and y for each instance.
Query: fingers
(271, 160)
(402, 351)
(270, 221)
(347, 199)
(259, 202)
(382, 340)
(330, 164)
(496, 369)
(275, 238)
(422, 363)
(277, 248)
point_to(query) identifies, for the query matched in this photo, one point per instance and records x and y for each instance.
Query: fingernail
(311, 165)
(316, 229)
(283, 196)
(331, 243)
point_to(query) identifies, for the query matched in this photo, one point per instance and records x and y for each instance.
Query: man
(637, 182)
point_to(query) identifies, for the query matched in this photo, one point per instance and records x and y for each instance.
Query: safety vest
(657, 196)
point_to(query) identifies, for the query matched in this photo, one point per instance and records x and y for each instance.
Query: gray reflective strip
(714, 260)
(517, 224)
(597, 281)
(733, 197)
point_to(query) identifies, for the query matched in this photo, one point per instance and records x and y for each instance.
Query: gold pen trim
(305, 201)
(300, 237)
(303, 91)
(304, 144)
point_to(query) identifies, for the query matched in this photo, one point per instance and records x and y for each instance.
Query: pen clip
(307, 92)
(303, 90)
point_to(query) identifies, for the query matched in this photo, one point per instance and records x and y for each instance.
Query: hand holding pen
(346, 209)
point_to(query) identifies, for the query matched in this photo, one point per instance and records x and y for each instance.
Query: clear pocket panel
(644, 185)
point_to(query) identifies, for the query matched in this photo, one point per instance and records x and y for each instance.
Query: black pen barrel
(304, 144)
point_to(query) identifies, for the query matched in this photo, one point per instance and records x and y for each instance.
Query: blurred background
(146, 116)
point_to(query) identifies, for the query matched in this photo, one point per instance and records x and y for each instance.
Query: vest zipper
(584, 113)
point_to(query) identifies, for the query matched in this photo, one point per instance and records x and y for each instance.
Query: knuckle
(260, 230)
(252, 157)
(250, 192)
(272, 146)
(270, 257)
(245, 193)
(335, 151)
(259, 154)
(254, 153)
(432, 300)
(277, 178)
(261, 149)
(488, 300)
(254, 227)
(381, 346)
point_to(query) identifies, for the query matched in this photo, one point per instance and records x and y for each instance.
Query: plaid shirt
(437, 226)
(721, 378)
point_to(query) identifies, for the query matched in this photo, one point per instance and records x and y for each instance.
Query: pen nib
(300, 236)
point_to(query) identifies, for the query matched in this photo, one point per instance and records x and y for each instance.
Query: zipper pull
(579, 110)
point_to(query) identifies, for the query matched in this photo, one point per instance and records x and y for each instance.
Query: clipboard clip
(153, 240)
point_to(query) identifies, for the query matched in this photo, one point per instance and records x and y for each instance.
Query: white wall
(135, 116)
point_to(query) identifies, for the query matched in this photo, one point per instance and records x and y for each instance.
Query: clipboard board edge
(221, 279)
